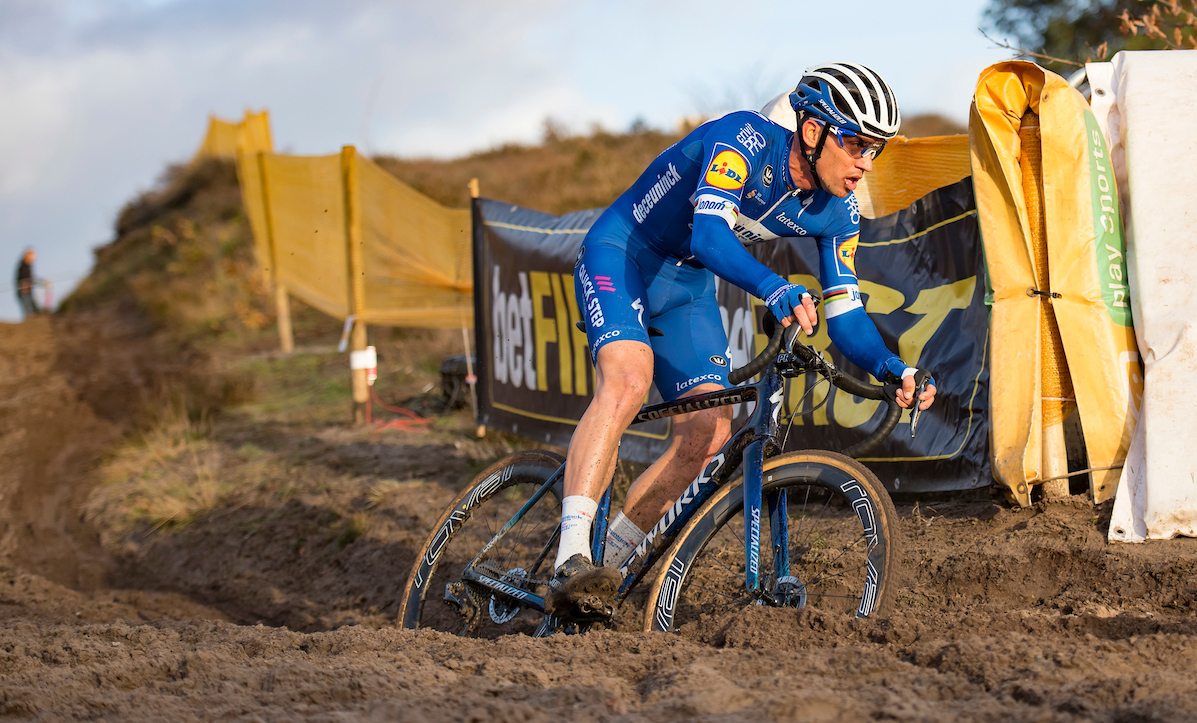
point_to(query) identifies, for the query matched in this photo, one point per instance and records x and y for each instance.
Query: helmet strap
(813, 156)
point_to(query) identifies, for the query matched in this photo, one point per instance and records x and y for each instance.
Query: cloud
(101, 94)
(38, 101)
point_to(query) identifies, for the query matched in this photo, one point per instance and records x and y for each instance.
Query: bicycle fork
(779, 528)
(754, 463)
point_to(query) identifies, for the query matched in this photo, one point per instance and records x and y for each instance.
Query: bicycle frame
(748, 444)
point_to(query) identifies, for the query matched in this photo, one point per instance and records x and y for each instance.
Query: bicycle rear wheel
(438, 597)
(843, 548)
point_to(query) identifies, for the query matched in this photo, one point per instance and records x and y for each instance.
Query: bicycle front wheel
(841, 552)
(438, 595)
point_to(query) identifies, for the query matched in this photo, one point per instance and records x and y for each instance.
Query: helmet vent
(850, 96)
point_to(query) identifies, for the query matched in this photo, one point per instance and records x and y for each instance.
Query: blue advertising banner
(922, 277)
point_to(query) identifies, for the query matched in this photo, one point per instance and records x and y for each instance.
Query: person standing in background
(25, 285)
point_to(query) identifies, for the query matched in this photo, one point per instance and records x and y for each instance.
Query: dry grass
(930, 124)
(352, 528)
(562, 174)
(568, 173)
(183, 256)
(180, 469)
(383, 492)
(166, 478)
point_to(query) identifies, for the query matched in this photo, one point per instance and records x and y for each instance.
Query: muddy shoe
(580, 588)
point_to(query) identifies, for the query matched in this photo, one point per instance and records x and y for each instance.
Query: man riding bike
(651, 260)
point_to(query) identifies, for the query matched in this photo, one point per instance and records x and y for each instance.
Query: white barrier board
(1151, 127)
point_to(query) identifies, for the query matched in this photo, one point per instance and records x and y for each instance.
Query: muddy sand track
(281, 607)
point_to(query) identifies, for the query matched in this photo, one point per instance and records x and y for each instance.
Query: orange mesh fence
(305, 210)
(412, 256)
(348, 238)
(225, 139)
(909, 169)
(249, 176)
(416, 255)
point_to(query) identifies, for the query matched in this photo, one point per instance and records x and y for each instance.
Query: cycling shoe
(581, 589)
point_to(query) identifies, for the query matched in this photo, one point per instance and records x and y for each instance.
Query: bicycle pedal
(592, 608)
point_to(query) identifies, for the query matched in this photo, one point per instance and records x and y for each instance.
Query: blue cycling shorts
(624, 286)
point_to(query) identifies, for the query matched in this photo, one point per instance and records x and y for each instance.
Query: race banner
(922, 278)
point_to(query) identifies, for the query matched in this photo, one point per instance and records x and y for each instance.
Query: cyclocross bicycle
(831, 527)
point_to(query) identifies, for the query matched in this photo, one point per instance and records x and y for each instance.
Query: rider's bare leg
(696, 438)
(623, 373)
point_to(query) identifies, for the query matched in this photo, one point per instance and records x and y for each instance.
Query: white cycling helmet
(848, 96)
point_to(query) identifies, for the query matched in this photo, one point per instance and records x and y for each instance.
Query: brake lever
(916, 410)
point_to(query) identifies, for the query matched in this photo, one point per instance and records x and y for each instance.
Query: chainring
(502, 608)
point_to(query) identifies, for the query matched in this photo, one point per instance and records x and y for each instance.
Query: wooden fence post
(282, 302)
(357, 288)
(472, 380)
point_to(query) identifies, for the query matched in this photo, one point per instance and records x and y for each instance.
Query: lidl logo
(846, 253)
(728, 170)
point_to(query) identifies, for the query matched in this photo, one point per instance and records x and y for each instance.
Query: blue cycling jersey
(723, 187)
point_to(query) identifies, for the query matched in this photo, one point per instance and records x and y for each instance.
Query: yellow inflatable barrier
(1061, 328)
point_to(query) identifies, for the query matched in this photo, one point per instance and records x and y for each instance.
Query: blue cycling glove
(785, 299)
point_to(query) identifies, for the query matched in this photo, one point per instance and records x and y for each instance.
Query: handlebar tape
(867, 444)
(754, 367)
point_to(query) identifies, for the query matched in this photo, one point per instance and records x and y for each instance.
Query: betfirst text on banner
(536, 377)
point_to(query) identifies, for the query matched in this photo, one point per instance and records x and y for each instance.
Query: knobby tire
(472, 520)
(844, 545)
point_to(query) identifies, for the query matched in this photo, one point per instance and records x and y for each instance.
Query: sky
(99, 96)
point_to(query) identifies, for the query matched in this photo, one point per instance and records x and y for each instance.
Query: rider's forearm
(855, 334)
(714, 244)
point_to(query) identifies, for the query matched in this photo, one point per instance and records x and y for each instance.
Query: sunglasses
(857, 146)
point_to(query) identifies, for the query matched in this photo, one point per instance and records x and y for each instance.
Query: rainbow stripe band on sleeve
(840, 300)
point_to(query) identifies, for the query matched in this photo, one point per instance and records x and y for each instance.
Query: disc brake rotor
(790, 592)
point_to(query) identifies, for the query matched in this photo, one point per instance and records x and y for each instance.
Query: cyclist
(651, 260)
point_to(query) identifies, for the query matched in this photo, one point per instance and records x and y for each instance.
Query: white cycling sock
(622, 536)
(577, 517)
